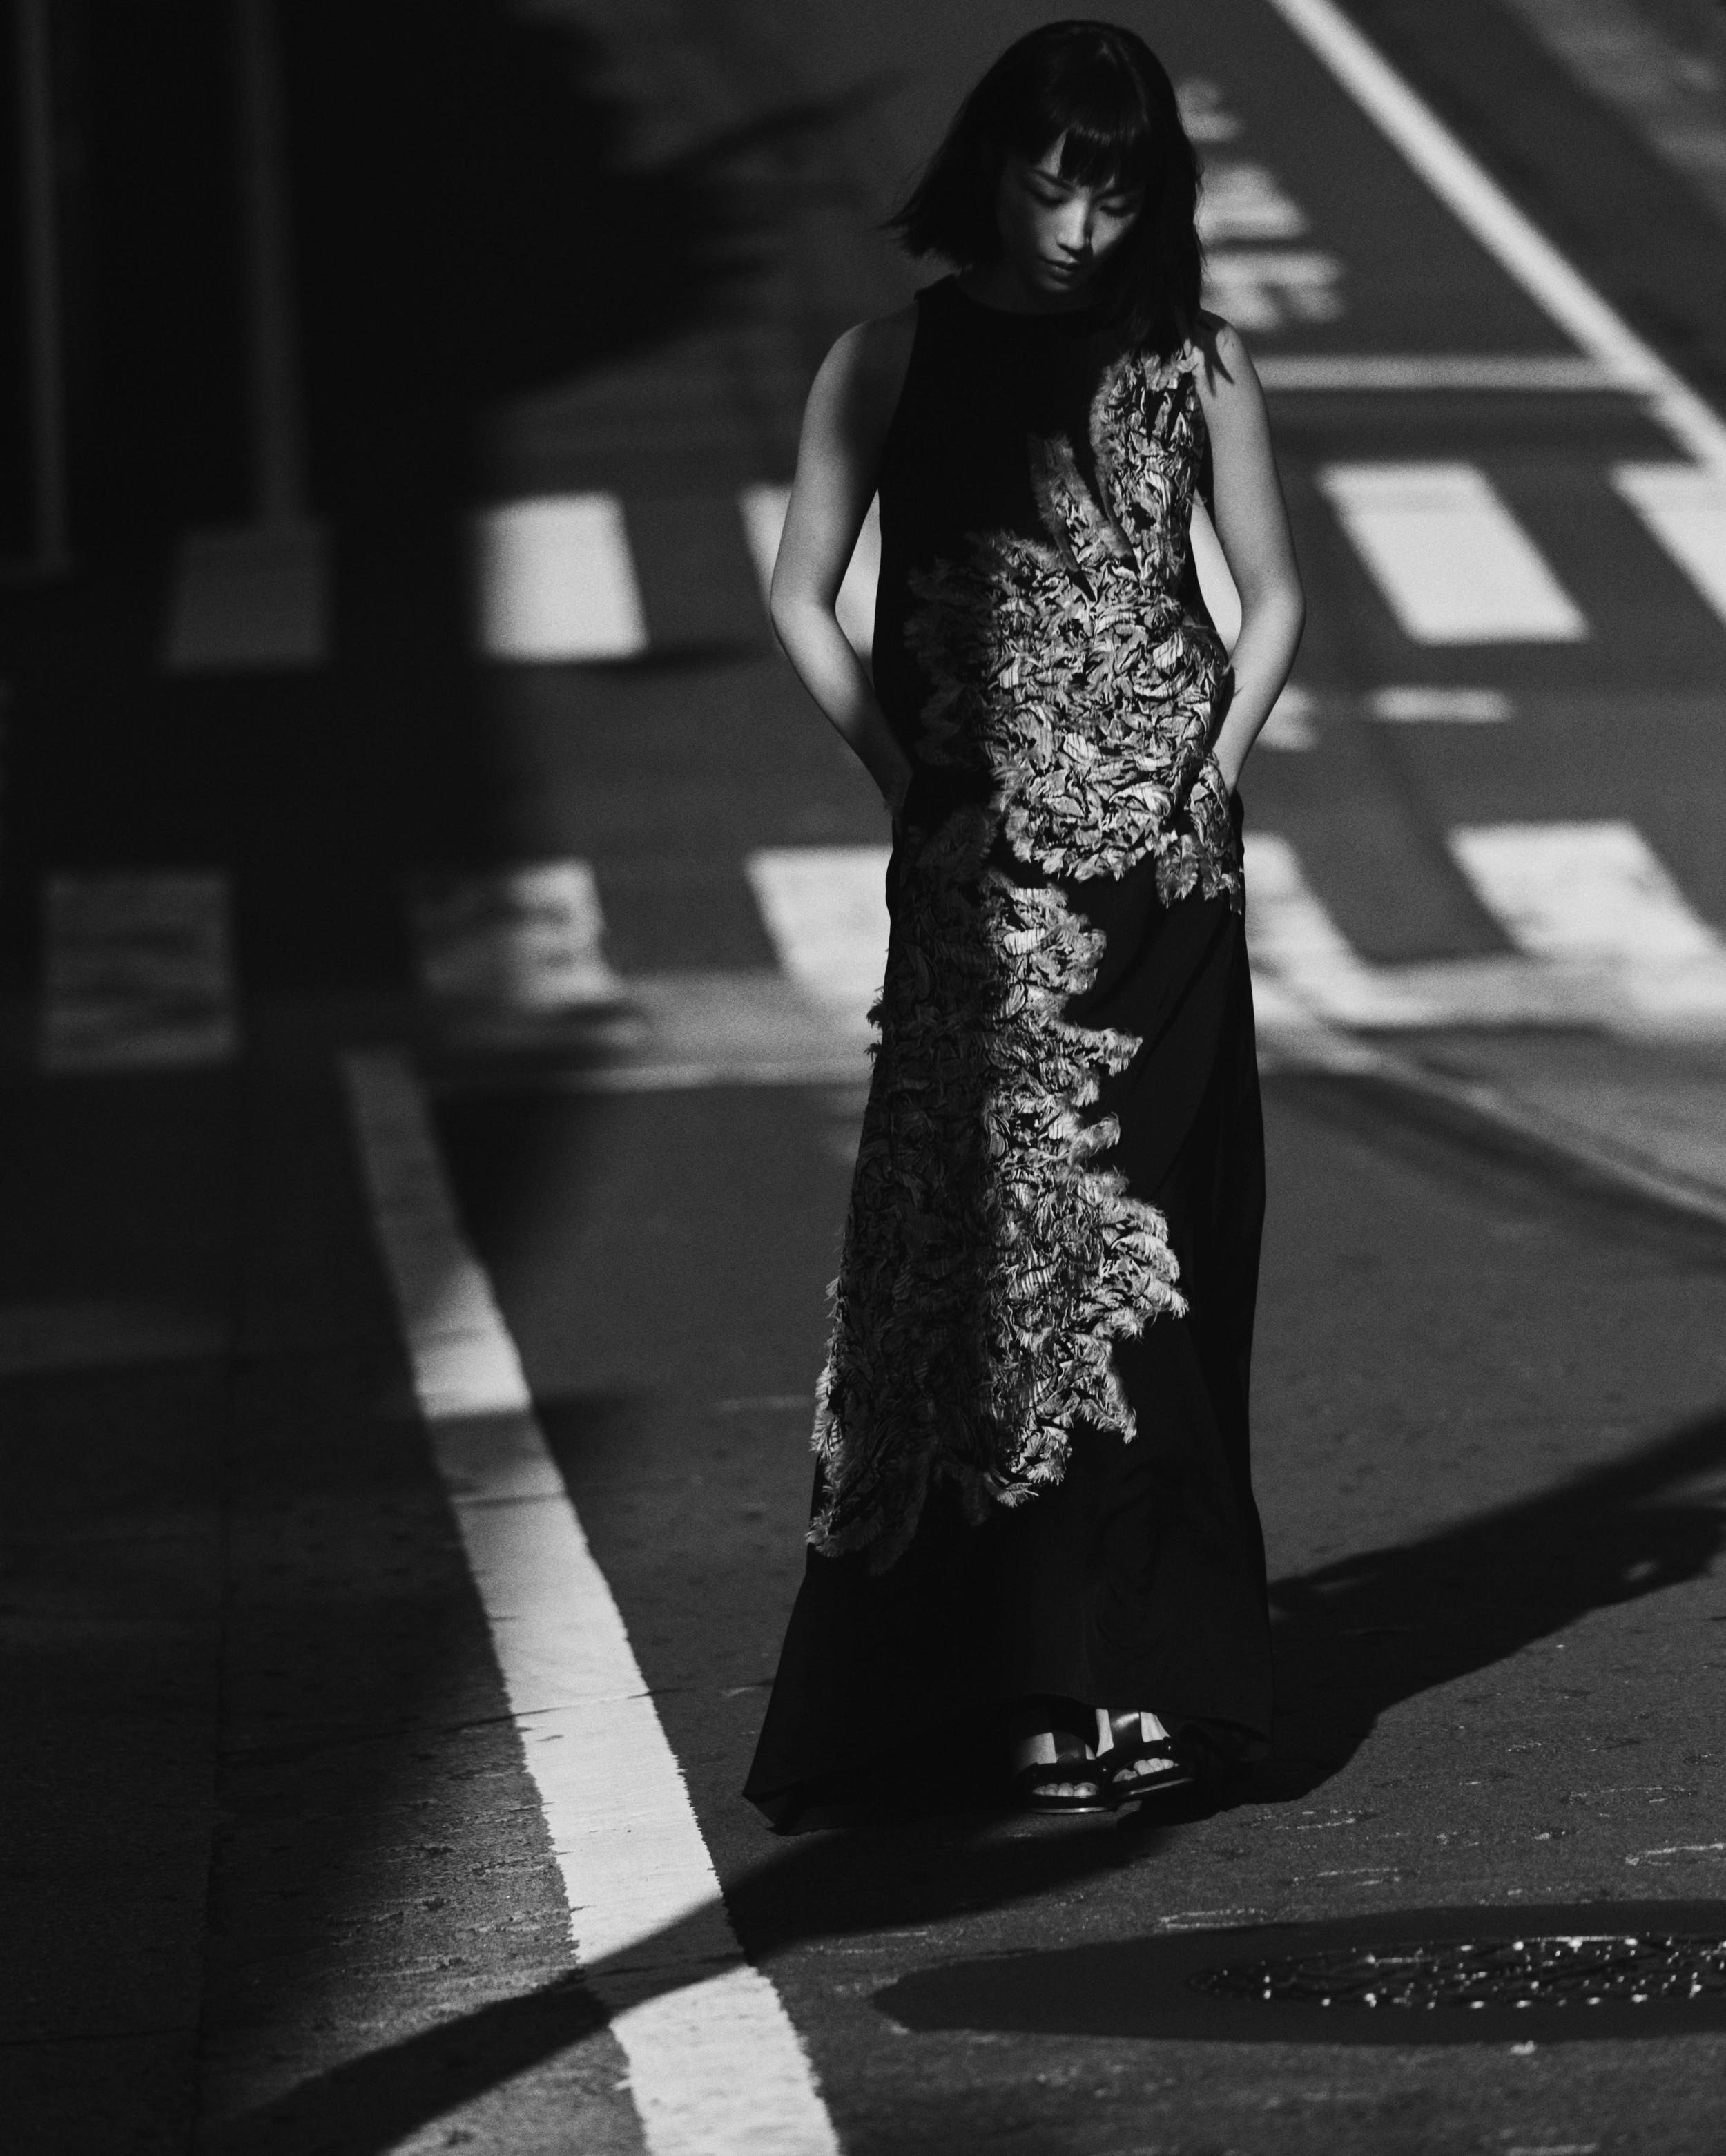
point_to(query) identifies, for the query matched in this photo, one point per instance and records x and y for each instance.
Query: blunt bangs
(1102, 94)
(1100, 119)
(1091, 158)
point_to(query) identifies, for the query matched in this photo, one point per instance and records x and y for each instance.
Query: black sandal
(1170, 1768)
(1032, 1790)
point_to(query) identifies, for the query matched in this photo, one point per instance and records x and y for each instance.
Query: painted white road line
(825, 908)
(137, 972)
(1268, 287)
(1245, 201)
(1583, 890)
(1452, 561)
(521, 943)
(805, 1022)
(1203, 113)
(1686, 511)
(249, 600)
(1419, 704)
(1306, 971)
(1290, 725)
(1478, 203)
(762, 509)
(1595, 897)
(689, 1031)
(1418, 373)
(757, 1027)
(556, 580)
(716, 2068)
(1300, 952)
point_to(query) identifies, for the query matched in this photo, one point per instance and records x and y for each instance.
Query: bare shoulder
(1226, 376)
(861, 375)
(885, 340)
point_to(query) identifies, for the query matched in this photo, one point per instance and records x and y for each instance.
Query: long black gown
(1032, 1431)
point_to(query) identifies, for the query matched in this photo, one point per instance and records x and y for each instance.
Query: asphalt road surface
(432, 1060)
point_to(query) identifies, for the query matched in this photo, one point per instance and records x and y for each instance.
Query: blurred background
(397, 403)
(398, 406)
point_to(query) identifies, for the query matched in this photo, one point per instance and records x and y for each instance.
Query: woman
(1033, 1516)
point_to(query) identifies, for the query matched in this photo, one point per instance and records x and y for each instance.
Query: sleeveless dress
(1032, 1429)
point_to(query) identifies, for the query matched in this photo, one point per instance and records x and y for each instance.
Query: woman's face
(1057, 234)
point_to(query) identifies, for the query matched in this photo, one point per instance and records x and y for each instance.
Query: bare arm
(1252, 526)
(845, 424)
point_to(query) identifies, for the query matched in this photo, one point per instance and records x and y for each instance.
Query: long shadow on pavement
(1462, 1598)
(824, 1885)
(1355, 1638)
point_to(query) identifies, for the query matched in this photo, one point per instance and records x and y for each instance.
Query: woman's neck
(999, 284)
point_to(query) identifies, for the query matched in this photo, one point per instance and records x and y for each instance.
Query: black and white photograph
(863, 1078)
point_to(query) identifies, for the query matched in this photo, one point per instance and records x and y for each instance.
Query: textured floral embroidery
(1070, 671)
(988, 1263)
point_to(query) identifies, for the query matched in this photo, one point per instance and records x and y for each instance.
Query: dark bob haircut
(1106, 98)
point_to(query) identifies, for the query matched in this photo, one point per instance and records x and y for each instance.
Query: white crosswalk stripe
(1301, 951)
(1510, 236)
(1650, 963)
(1685, 508)
(1294, 719)
(1604, 938)
(763, 508)
(555, 578)
(1453, 563)
(1593, 898)
(1583, 891)
(1205, 112)
(1419, 704)
(825, 908)
(139, 974)
(1267, 289)
(1290, 725)
(138, 971)
(1242, 201)
(555, 581)
(518, 947)
(1400, 373)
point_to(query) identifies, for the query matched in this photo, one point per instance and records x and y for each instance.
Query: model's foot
(1054, 1769)
(1049, 1769)
(1142, 1759)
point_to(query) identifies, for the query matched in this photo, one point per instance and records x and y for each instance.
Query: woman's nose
(1075, 232)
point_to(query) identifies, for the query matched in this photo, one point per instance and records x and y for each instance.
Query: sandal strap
(1039, 1774)
(1036, 1771)
(1158, 1750)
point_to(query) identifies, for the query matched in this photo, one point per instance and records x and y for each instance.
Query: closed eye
(1110, 205)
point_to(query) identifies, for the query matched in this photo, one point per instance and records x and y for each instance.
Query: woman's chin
(1052, 288)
